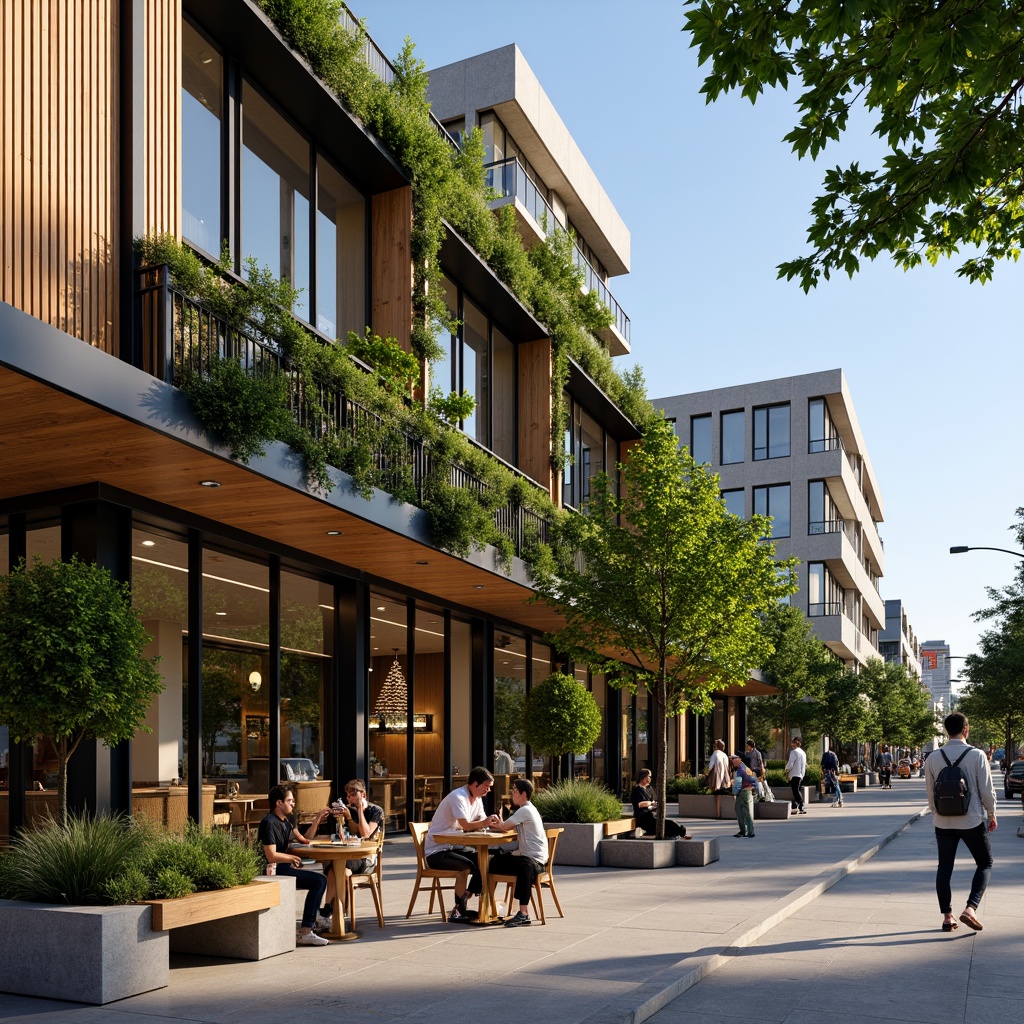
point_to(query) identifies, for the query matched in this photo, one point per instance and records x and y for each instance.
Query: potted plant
(560, 716)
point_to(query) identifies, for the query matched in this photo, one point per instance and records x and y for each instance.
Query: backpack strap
(960, 758)
(946, 759)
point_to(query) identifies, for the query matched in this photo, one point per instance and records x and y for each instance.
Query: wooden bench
(619, 826)
(245, 922)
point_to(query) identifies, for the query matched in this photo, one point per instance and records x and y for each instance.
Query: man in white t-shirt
(796, 769)
(462, 810)
(530, 856)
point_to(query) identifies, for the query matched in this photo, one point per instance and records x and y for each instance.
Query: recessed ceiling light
(220, 613)
(149, 543)
(381, 608)
(335, 533)
(209, 483)
(376, 648)
(422, 562)
(478, 586)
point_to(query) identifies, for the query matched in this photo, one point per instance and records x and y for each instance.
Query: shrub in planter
(688, 784)
(577, 800)
(106, 861)
(777, 776)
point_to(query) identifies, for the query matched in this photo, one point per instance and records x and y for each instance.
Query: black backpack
(951, 793)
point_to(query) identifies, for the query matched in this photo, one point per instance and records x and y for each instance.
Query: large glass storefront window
(340, 255)
(202, 112)
(389, 668)
(509, 704)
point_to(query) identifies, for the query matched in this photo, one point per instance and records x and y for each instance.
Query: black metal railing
(180, 337)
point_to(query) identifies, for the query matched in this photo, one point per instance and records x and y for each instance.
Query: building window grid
(732, 427)
(822, 435)
(771, 432)
(700, 439)
(825, 596)
(774, 500)
(822, 513)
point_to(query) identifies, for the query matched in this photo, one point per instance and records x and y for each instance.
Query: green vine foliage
(463, 486)
(448, 185)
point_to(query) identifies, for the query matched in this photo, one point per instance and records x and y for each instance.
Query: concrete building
(898, 642)
(792, 449)
(936, 675)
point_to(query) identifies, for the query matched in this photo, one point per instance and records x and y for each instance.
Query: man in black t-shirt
(276, 834)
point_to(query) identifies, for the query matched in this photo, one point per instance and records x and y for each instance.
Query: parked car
(1013, 780)
(299, 769)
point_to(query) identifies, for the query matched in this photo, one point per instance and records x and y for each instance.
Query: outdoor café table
(326, 851)
(481, 840)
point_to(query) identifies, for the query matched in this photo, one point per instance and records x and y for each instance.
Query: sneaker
(740, 835)
(457, 916)
(801, 811)
(311, 939)
(518, 921)
(324, 924)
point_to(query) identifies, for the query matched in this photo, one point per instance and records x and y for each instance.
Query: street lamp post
(959, 549)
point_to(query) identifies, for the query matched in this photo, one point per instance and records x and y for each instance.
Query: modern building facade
(278, 610)
(898, 642)
(792, 449)
(936, 676)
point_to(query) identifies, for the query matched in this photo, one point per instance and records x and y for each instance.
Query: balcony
(509, 180)
(180, 337)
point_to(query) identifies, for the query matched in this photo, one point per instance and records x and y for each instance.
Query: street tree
(796, 668)
(943, 84)
(658, 576)
(900, 712)
(72, 664)
(842, 710)
(560, 716)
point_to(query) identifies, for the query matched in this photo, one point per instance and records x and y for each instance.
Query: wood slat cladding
(391, 281)
(59, 164)
(162, 76)
(535, 415)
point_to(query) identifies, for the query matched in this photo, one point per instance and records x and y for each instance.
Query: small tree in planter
(71, 659)
(561, 717)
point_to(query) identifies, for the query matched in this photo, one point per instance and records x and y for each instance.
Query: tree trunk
(661, 718)
(62, 782)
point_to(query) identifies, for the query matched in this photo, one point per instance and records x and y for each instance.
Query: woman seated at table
(530, 857)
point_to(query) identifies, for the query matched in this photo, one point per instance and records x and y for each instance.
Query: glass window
(202, 111)
(732, 437)
(700, 439)
(824, 595)
(585, 447)
(503, 397)
(821, 432)
(509, 702)
(340, 254)
(275, 195)
(734, 503)
(771, 432)
(774, 502)
(475, 375)
(592, 451)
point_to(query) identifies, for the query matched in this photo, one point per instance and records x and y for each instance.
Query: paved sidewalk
(632, 941)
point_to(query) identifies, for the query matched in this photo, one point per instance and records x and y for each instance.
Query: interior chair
(367, 880)
(425, 873)
(544, 878)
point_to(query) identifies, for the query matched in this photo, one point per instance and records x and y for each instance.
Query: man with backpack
(962, 800)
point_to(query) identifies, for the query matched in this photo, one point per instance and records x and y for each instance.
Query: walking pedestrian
(883, 764)
(744, 786)
(718, 775)
(796, 769)
(830, 775)
(970, 826)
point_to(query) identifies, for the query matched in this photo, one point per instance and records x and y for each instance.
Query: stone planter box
(100, 954)
(658, 853)
(80, 954)
(786, 794)
(578, 844)
(774, 810)
(693, 805)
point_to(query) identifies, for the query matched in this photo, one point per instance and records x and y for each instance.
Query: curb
(798, 899)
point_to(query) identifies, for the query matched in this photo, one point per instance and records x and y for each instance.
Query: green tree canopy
(900, 711)
(797, 668)
(667, 579)
(561, 717)
(943, 83)
(71, 659)
(842, 710)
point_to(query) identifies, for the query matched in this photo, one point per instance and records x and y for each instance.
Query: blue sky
(714, 200)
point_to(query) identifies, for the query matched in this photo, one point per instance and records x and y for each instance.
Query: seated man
(529, 857)
(276, 833)
(362, 820)
(644, 805)
(462, 810)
